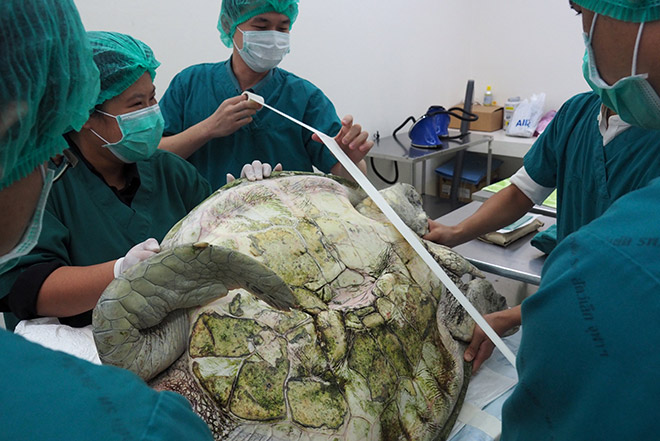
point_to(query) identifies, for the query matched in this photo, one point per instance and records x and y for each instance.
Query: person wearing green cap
(600, 146)
(48, 82)
(586, 364)
(112, 208)
(217, 129)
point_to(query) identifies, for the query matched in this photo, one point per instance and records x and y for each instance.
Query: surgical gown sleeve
(321, 114)
(540, 162)
(52, 395)
(588, 363)
(173, 108)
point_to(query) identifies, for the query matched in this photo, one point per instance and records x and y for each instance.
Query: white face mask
(264, 50)
(31, 235)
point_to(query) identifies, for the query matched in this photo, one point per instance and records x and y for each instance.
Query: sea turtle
(371, 346)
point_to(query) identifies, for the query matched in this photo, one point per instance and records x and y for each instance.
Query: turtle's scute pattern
(364, 354)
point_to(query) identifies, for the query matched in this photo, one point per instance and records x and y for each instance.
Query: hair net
(48, 82)
(235, 12)
(636, 11)
(122, 60)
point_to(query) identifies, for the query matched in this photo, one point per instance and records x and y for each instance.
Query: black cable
(410, 118)
(381, 177)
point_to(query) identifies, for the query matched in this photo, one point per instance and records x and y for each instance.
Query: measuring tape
(406, 232)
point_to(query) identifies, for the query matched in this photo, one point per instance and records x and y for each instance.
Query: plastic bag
(545, 120)
(526, 116)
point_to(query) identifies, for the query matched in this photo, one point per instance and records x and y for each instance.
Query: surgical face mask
(632, 98)
(141, 133)
(264, 50)
(31, 235)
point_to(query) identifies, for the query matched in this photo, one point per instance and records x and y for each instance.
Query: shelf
(503, 145)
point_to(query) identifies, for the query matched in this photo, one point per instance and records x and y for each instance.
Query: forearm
(500, 210)
(72, 290)
(187, 142)
(510, 318)
(339, 170)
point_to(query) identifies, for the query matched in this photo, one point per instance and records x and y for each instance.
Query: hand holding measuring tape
(407, 234)
(352, 139)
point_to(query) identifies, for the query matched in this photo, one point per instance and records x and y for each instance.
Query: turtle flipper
(141, 323)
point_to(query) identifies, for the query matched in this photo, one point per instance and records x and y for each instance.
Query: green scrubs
(588, 363)
(85, 223)
(49, 395)
(195, 93)
(589, 177)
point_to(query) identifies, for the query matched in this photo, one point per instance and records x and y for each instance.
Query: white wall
(382, 60)
(378, 59)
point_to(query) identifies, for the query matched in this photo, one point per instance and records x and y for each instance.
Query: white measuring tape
(407, 234)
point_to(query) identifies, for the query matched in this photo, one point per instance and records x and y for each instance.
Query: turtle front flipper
(141, 321)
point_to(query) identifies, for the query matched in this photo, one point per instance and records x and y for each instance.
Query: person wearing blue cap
(586, 364)
(110, 210)
(217, 129)
(48, 83)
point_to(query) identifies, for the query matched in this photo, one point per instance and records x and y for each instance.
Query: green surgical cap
(636, 11)
(48, 82)
(235, 12)
(122, 60)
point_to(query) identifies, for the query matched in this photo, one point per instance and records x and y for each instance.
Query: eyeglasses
(66, 160)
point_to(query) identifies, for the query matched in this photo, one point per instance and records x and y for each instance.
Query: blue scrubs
(195, 94)
(85, 223)
(52, 395)
(588, 363)
(589, 177)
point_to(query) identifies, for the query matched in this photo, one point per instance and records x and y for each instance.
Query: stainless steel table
(519, 261)
(398, 148)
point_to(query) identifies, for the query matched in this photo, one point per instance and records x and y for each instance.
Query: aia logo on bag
(523, 123)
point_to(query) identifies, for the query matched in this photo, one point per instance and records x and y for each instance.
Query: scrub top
(52, 395)
(195, 93)
(589, 177)
(85, 223)
(588, 363)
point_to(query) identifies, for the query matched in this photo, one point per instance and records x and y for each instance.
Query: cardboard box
(490, 118)
(465, 189)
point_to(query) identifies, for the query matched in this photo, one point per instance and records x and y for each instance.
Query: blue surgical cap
(235, 12)
(122, 60)
(636, 11)
(48, 82)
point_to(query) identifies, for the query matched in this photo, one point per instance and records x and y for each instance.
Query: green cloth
(122, 60)
(587, 364)
(196, 93)
(545, 240)
(48, 82)
(52, 395)
(86, 224)
(570, 156)
(635, 11)
(550, 201)
(235, 12)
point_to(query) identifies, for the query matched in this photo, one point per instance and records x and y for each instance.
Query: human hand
(255, 171)
(230, 116)
(480, 348)
(441, 234)
(352, 139)
(137, 254)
